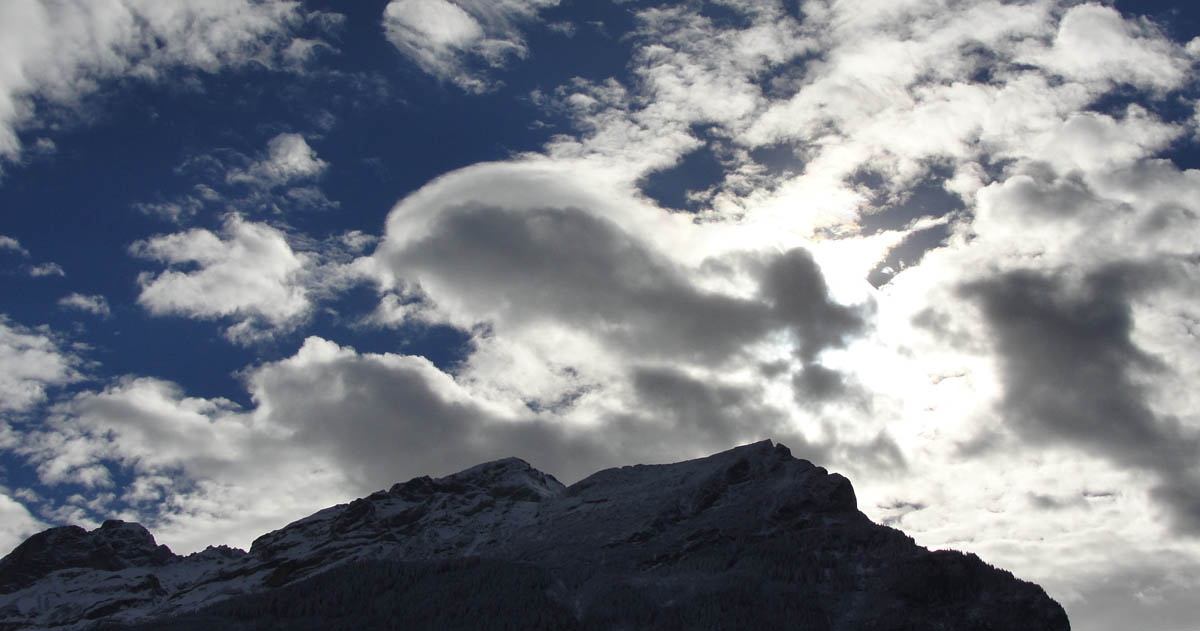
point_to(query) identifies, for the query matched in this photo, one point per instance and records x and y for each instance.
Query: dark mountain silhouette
(750, 538)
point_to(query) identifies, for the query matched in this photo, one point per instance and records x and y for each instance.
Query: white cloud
(251, 274)
(46, 269)
(302, 50)
(248, 273)
(31, 361)
(95, 305)
(893, 90)
(289, 158)
(460, 40)
(150, 426)
(174, 211)
(1095, 43)
(328, 423)
(60, 51)
(9, 243)
(15, 522)
(1091, 142)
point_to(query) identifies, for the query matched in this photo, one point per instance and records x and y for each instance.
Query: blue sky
(258, 258)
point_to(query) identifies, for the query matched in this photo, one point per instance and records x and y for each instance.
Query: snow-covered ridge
(68, 577)
(616, 526)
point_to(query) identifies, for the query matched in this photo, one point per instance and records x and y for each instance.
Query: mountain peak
(775, 539)
(761, 447)
(115, 545)
(512, 477)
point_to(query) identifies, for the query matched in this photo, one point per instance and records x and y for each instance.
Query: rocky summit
(747, 538)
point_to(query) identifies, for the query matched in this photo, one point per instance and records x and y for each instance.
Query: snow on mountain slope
(67, 578)
(670, 531)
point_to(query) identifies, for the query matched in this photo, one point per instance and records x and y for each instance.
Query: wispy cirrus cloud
(59, 52)
(11, 244)
(461, 41)
(282, 179)
(94, 304)
(40, 270)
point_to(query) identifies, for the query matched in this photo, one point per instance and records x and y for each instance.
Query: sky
(262, 257)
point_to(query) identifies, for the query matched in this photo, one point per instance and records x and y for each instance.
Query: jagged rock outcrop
(747, 537)
(115, 545)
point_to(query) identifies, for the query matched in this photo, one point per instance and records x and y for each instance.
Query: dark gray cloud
(1053, 503)
(678, 412)
(566, 266)
(518, 270)
(988, 440)
(1154, 590)
(1040, 194)
(1073, 374)
(721, 413)
(880, 454)
(385, 419)
(816, 384)
(896, 510)
(795, 288)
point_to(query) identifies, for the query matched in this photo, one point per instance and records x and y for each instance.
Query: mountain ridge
(675, 532)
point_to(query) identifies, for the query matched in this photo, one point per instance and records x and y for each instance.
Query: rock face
(747, 538)
(115, 545)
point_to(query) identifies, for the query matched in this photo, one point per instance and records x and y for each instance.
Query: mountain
(747, 538)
